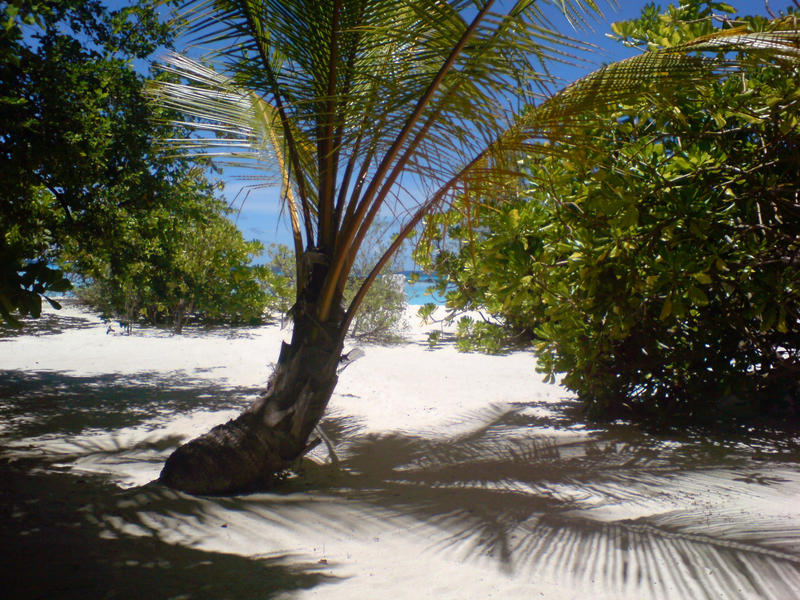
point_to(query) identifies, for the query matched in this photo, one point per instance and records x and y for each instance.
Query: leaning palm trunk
(248, 452)
(362, 108)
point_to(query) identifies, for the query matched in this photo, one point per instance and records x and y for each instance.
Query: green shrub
(381, 316)
(180, 263)
(660, 267)
(279, 284)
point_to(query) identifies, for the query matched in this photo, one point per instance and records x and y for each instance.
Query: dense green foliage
(181, 260)
(74, 137)
(660, 267)
(85, 187)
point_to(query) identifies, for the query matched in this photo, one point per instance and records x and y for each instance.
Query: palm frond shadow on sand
(80, 557)
(48, 323)
(616, 510)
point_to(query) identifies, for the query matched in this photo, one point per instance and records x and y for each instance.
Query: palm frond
(389, 53)
(240, 123)
(653, 73)
(240, 129)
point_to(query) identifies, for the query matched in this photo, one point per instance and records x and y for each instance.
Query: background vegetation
(175, 263)
(86, 189)
(381, 317)
(658, 270)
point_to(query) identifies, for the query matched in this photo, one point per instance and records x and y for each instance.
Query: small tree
(183, 259)
(362, 106)
(382, 312)
(281, 285)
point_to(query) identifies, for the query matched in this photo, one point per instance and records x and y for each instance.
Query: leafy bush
(280, 284)
(177, 263)
(660, 267)
(380, 317)
(77, 136)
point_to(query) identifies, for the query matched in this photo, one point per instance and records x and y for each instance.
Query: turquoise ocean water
(421, 292)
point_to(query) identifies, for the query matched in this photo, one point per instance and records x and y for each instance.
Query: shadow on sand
(616, 509)
(613, 509)
(48, 556)
(41, 402)
(48, 324)
(70, 524)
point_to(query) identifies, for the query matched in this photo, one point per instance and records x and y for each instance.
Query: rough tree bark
(247, 453)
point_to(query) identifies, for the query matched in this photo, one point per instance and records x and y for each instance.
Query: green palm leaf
(370, 96)
(235, 126)
(657, 72)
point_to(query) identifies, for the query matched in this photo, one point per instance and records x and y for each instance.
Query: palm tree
(357, 108)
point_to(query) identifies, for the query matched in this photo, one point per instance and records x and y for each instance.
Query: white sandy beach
(461, 476)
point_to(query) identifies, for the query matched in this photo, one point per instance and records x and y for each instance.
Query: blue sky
(259, 213)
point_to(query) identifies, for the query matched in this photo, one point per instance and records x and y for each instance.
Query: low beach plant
(381, 318)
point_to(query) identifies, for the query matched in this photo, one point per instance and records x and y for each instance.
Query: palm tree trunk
(247, 453)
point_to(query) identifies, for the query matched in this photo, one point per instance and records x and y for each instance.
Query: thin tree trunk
(247, 453)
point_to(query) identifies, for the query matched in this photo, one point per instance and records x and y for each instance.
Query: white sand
(461, 477)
